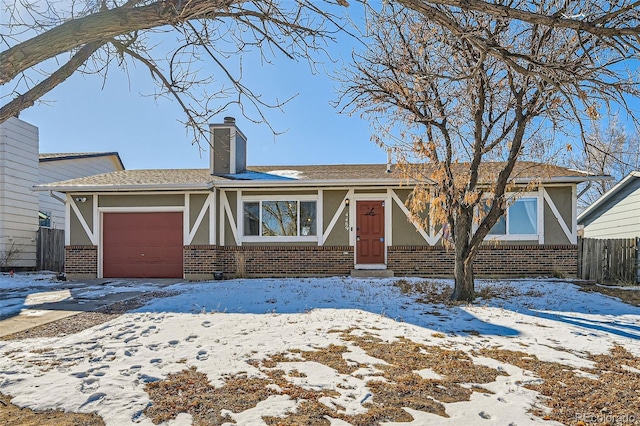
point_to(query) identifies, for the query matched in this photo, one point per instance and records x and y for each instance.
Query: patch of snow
(219, 326)
(291, 174)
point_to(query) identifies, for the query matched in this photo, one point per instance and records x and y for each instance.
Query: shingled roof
(321, 175)
(59, 156)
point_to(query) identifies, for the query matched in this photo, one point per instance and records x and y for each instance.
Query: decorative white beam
(83, 222)
(336, 216)
(431, 240)
(573, 238)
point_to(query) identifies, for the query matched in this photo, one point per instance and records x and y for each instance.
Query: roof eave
(91, 155)
(306, 183)
(124, 188)
(610, 193)
(565, 179)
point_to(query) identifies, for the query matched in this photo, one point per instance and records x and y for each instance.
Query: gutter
(564, 179)
(279, 183)
(56, 197)
(125, 188)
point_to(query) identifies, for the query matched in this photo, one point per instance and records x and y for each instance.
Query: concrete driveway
(29, 300)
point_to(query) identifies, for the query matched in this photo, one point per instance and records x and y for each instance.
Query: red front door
(142, 245)
(370, 245)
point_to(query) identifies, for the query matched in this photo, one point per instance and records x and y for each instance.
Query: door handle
(382, 239)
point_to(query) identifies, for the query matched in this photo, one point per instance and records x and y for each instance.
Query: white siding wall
(18, 202)
(622, 216)
(53, 171)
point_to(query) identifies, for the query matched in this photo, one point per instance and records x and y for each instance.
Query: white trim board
(573, 238)
(432, 240)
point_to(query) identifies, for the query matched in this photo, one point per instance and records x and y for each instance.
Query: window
(286, 218)
(521, 218)
(45, 219)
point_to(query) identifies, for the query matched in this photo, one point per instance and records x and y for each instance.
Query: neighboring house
(64, 166)
(616, 214)
(18, 202)
(22, 210)
(296, 221)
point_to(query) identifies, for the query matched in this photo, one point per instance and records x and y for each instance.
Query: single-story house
(23, 211)
(295, 221)
(616, 214)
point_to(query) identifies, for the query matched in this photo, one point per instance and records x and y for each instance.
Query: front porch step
(372, 273)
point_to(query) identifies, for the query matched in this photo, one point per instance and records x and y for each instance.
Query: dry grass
(630, 296)
(428, 291)
(11, 414)
(397, 386)
(609, 391)
(614, 397)
(433, 291)
(189, 391)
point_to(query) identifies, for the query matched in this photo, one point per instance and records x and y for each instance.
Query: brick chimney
(228, 151)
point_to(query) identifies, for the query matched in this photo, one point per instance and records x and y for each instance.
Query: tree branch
(21, 102)
(497, 10)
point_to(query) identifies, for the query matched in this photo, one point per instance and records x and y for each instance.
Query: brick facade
(492, 261)
(81, 261)
(268, 261)
(200, 262)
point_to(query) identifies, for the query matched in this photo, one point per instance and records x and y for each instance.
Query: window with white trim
(521, 219)
(280, 219)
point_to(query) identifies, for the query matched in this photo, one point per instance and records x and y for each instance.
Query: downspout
(56, 197)
(589, 183)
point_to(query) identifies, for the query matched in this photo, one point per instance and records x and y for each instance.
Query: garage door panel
(142, 245)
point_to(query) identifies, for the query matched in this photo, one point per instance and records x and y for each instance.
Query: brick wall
(272, 261)
(81, 260)
(199, 260)
(492, 261)
(268, 261)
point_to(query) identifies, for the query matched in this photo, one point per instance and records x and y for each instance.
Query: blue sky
(84, 116)
(87, 114)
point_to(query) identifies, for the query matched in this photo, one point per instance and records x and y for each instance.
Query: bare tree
(608, 151)
(191, 48)
(46, 42)
(440, 98)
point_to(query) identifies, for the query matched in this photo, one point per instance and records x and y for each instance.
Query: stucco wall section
(141, 200)
(196, 202)
(331, 202)
(562, 199)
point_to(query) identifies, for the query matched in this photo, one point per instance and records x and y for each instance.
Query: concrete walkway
(30, 318)
(71, 298)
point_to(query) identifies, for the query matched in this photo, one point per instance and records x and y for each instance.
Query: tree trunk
(464, 289)
(464, 254)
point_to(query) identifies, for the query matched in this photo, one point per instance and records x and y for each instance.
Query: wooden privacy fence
(609, 261)
(50, 250)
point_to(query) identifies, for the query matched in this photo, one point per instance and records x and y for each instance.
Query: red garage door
(142, 245)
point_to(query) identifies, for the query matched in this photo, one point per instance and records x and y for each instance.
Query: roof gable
(632, 180)
(61, 156)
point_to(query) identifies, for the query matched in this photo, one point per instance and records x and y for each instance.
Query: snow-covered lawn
(286, 333)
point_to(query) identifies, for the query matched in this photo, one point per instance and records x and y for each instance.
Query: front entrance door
(370, 245)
